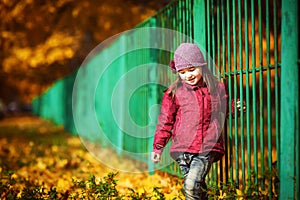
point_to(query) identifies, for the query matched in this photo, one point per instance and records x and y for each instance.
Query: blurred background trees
(44, 40)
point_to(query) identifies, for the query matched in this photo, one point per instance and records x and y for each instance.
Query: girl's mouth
(191, 79)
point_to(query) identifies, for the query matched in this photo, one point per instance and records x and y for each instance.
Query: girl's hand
(155, 157)
(238, 105)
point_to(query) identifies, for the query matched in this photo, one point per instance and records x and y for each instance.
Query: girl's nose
(189, 75)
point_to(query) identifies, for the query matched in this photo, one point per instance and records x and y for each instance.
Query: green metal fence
(254, 43)
(244, 43)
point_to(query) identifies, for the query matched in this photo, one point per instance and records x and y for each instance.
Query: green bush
(231, 190)
(105, 189)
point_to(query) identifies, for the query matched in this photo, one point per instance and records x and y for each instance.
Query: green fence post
(289, 109)
(199, 23)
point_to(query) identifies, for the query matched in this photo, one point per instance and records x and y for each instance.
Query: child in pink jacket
(192, 114)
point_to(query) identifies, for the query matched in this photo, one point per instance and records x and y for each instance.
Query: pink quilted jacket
(193, 118)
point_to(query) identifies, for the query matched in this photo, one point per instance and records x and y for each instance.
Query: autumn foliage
(44, 40)
(40, 159)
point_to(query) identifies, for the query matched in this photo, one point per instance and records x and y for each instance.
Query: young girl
(191, 114)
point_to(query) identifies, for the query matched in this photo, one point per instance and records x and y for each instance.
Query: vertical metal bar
(236, 143)
(222, 4)
(208, 16)
(254, 120)
(269, 118)
(219, 32)
(234, 82)
(241, 91)
(192, 23)
(275, 15)
(261, 97)
(180, 17)
(247, 98)
(210, 24)
(188, 17)
(223, 37)
(199, 23)
(213, 46)
(289, 107)
(229, 94)
(184, 19)
(175, 20)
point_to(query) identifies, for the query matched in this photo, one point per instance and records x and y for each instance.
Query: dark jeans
(194, 168)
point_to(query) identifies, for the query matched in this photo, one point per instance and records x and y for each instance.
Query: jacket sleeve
(165, 124)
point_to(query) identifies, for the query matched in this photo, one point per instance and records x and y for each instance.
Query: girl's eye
(191, 69)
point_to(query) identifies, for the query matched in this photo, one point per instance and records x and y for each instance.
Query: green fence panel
(56, 103)
(52, 103)
(68, 121)
(104, 91)
(243, 44)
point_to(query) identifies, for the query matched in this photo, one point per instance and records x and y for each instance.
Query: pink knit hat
(187, 55)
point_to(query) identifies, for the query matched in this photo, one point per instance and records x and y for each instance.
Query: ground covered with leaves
(39, 160)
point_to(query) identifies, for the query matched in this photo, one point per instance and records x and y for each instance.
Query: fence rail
(243, 38)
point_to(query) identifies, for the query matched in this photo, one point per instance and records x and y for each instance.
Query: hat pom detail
(172, 66)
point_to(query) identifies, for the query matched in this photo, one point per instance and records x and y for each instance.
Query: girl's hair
(207, 76)
(171, 90)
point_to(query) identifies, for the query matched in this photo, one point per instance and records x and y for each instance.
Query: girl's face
(191, 75)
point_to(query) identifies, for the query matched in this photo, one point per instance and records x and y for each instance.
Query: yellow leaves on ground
(55, 158)
(239, 194)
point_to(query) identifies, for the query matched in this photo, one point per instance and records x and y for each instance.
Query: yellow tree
(43, 40)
